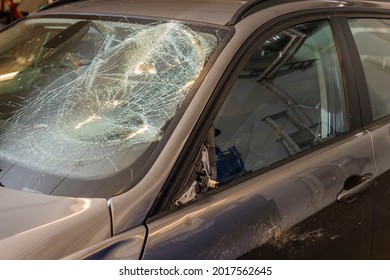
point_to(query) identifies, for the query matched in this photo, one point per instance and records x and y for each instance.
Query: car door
(371, 35)
(279, 167)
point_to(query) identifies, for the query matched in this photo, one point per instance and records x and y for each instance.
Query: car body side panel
(125, 246)
(381, 140)
(35, 226)
(289, 212)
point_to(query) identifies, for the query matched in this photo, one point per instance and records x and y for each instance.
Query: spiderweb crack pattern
(124, 97)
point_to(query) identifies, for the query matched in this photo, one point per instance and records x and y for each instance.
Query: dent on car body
(127, 245)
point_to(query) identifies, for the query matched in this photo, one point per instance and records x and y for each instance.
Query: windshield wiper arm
(66, 34)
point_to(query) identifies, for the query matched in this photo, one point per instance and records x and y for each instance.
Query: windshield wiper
(66, 34)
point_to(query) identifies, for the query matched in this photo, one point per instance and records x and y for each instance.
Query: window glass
(83, 101)
(287, 99)
(372, 37)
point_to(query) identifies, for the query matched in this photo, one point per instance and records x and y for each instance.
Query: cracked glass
(87, 99)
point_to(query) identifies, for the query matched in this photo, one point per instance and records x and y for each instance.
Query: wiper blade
(66, 34)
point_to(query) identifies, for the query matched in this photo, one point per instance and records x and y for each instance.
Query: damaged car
(161, 129)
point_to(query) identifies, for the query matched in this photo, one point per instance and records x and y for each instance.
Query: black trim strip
(244, 9)
(360, 78)
(350, 87)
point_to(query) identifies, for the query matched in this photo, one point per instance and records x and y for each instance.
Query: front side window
(372, 37)
(87, 98)
(287, 98)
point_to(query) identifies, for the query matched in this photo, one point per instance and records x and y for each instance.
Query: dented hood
(37, 226)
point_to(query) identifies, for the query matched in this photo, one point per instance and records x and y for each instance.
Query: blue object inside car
(229, 165)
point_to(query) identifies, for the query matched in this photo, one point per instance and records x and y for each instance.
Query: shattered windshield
(87, 99)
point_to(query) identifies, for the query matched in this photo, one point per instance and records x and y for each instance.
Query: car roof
(207, 11)
(221, 12)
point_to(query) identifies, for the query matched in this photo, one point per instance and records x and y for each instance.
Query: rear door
(279, 168)
(371, 36)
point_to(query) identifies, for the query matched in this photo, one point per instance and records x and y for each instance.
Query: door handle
(354, 185)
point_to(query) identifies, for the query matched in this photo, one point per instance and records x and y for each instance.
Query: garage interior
(11, 10)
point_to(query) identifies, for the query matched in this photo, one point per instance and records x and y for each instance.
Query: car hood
(37, 226)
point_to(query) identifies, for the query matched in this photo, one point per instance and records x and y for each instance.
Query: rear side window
(372, 37)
